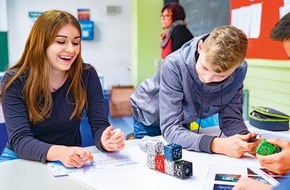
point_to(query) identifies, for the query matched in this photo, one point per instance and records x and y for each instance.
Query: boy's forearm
(216, 146)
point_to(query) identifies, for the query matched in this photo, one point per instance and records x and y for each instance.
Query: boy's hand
(235, 146)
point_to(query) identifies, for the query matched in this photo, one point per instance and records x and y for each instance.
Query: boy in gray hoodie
(204, 77)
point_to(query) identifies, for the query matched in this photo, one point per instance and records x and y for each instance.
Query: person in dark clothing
(175, 32)
(45, 94)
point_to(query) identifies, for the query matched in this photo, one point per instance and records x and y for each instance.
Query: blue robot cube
(172, 152)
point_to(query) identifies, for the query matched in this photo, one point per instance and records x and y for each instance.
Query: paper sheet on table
(136, 176)
(101, 161)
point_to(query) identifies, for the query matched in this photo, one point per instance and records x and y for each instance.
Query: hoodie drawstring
(200, 110)
(221, 112)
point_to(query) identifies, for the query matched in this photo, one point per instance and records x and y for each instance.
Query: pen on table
(87, 162)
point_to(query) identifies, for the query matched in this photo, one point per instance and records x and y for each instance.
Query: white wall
(3, 16)
(110, 51)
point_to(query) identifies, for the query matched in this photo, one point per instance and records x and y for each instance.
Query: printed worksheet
(101, 161)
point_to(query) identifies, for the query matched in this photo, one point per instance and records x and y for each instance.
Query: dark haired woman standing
(175, 32)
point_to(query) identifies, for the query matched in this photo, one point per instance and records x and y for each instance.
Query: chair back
(86, 133)
(3, 136)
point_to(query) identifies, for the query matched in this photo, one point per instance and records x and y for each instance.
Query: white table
(23, 174)
(142, 178)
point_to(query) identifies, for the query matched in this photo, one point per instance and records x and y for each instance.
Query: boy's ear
(199, 46)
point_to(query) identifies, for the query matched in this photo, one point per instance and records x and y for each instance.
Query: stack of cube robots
(165, 158)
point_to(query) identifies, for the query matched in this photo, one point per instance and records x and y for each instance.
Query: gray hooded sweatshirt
(175, 97)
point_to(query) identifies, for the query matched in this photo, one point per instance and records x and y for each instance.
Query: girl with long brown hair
(45, 93)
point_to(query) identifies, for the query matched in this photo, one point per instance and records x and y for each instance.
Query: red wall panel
(264, 47)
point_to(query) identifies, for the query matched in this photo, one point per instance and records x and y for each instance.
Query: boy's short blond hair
(225, 48)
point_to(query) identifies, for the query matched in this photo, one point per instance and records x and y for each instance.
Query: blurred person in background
(175, 32)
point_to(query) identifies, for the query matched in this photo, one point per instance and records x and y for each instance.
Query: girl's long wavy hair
(33, 63)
